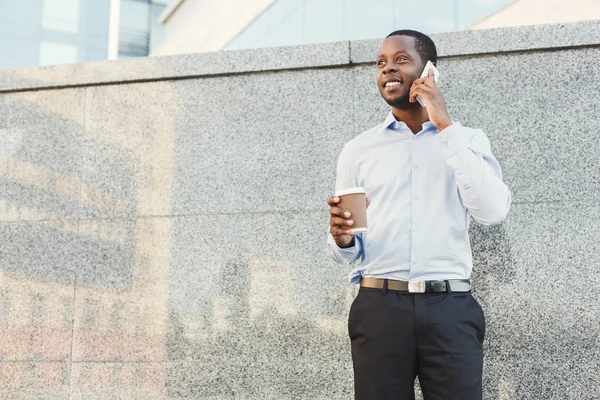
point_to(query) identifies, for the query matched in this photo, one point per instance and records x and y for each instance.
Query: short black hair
(423, 44)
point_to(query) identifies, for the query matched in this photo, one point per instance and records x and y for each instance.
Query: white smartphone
(436, 75)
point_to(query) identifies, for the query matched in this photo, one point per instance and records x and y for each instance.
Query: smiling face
(398, 65)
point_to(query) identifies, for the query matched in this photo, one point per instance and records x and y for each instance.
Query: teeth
(392, 84)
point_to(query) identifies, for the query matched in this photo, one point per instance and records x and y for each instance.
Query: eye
(401, 59)
(380, 63)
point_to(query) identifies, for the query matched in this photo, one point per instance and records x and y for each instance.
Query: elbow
(497, 213)
(495, 218)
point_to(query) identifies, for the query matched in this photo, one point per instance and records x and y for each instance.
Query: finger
(341, 222)
(417, 92)
(423, 82)
(336, 231)
(368, 202)
(339, 212)
(430, 73)
(333, 200)
(421, 88)
(423, 95)
(421, 91)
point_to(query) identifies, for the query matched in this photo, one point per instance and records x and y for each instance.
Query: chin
(394, 99)
(401, 102)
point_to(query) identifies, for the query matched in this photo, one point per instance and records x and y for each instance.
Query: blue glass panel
(94, 30)
(250, 35)
(157, 30)
(367, 19)
(27, 11)
(286, 29)
(91, 54)
(134, 29)
(20, 19)
(23, 51)
(52, 53)
(258, 32)
(95, 20)
(77, 28)
(61, 15)
(427, 16)
(323, 21)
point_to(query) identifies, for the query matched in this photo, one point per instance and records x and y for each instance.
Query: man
(424, 176)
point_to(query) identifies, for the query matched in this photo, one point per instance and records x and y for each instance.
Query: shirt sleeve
(346, 177)
(346, 255)
(477, 173)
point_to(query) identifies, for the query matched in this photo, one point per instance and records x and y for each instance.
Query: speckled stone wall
(163, 220)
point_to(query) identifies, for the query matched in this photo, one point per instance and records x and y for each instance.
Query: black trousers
(397, 337)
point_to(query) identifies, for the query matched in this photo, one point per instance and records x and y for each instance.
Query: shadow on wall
(253, 354)
(60, 183)
(48, 178)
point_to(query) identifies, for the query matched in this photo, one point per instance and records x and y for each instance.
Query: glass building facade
(139, 28)
(292, 22)
(49, 32)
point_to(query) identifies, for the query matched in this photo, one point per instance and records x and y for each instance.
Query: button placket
(415, 196)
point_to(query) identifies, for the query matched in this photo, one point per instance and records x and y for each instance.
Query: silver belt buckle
(416, 287)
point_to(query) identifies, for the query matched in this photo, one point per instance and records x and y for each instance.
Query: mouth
(392, 84)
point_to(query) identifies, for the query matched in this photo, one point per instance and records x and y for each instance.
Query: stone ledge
(453, 44)
(501, 40)
(175, 67)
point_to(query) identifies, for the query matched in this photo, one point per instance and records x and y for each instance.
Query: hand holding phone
(436, 105)
(436, 75)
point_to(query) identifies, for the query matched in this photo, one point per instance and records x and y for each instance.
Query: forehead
(398, 43)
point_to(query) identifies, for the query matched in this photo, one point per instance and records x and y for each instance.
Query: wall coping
(324, 55)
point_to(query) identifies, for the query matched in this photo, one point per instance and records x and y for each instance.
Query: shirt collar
(394, 125)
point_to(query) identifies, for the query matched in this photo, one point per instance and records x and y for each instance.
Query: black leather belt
(449, 286)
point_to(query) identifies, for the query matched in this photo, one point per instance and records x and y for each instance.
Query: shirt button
(414, 138)
(445, 144)
(416, 229)
(416, 196)
(416, 166)
(414, 261)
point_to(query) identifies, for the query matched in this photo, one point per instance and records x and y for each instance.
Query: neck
(414, 118)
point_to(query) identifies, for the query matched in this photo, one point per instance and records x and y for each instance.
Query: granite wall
(163, 219)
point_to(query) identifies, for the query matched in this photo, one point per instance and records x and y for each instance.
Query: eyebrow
(396, 53)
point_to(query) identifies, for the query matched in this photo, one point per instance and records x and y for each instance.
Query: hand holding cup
(348, 215)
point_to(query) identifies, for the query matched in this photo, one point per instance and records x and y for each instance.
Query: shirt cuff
(348, 254)
(454, 140)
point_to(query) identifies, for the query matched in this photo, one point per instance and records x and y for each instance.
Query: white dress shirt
(422, 188)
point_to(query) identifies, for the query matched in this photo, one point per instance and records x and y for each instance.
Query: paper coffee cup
(354, 200)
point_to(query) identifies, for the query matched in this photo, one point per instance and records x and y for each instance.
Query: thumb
(368, 202)
(430, 73)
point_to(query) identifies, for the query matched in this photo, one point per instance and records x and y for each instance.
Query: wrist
(444, 124)
(347, 245)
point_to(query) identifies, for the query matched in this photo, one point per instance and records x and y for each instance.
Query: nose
(389, 68)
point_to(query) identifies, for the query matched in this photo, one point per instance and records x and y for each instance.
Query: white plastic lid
(351, 190)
